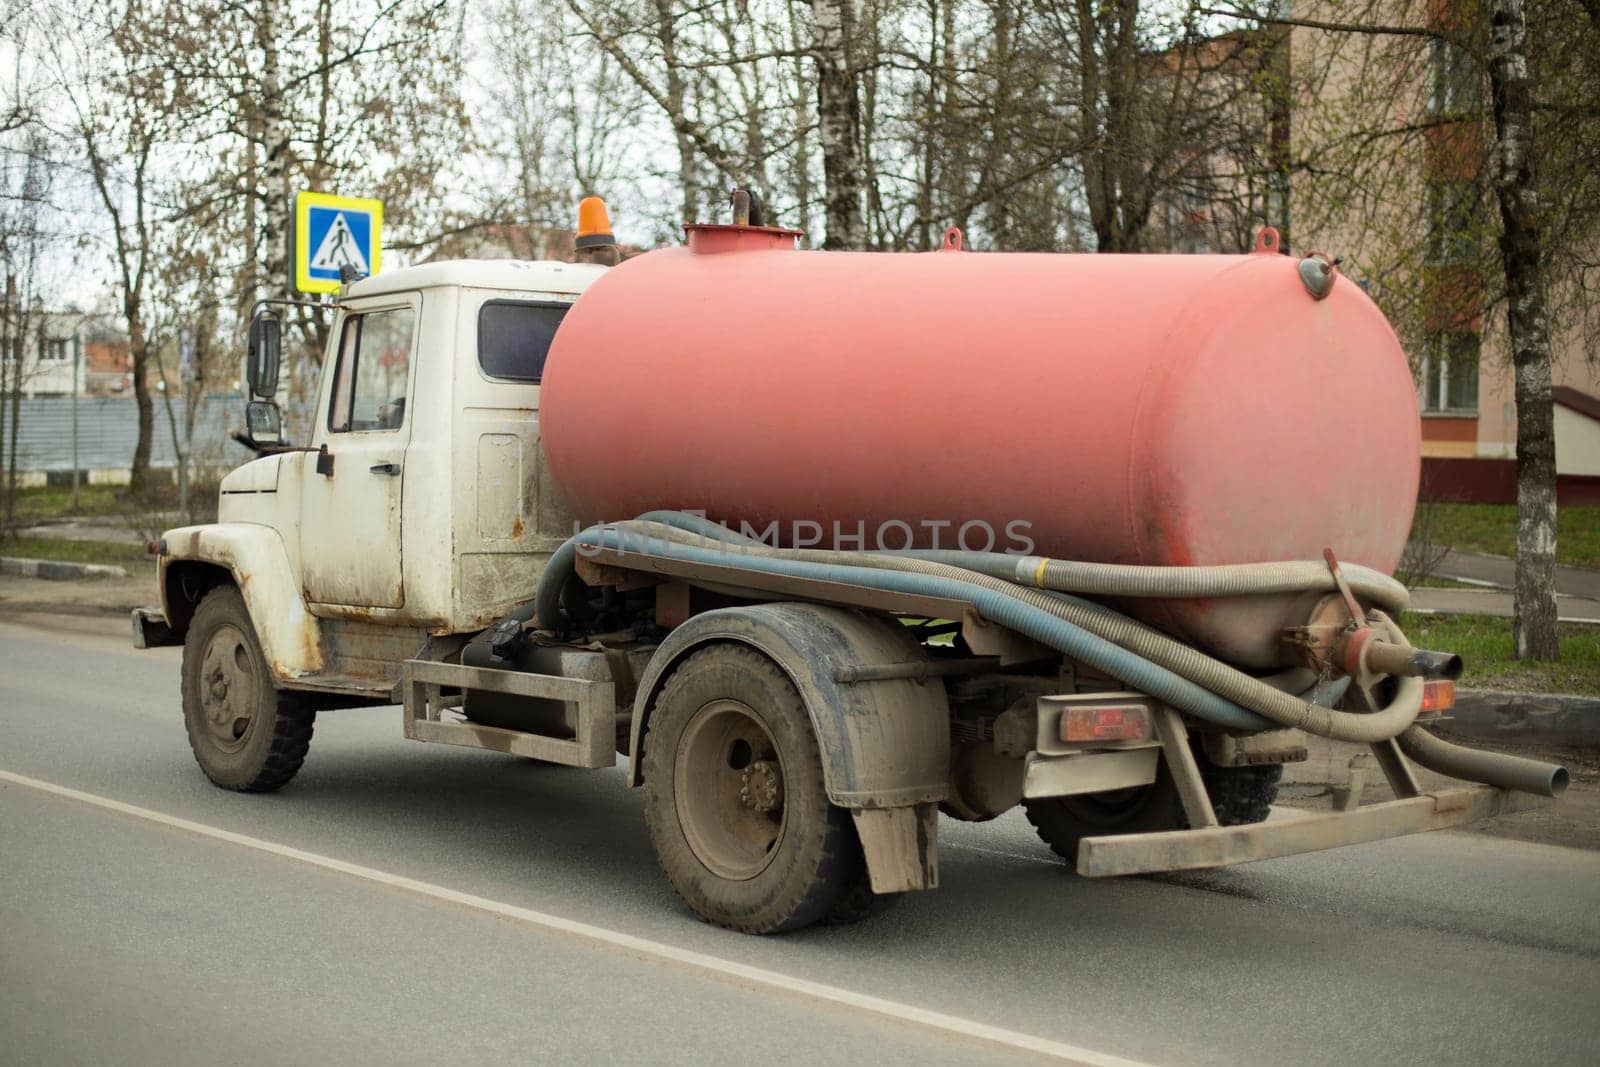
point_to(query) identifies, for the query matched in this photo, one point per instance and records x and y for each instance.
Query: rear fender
(884, 743)
(254, 559)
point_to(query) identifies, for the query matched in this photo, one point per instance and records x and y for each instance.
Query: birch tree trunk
(801, 110)
(667, 34)
(839, 123)
(275, 149)
(1528, 325)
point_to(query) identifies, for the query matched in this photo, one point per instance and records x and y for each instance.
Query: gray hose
(1505, 772)
(1490, 768)
(1004, 610)
(1111, 579)
(1210, 674)
(546, 604)
(1177, 583)
(1237, 579)
(1469, 764)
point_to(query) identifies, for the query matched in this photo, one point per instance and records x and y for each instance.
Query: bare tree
(28, 169)
(122, 116)
(26, 175)
(562, 121)
(281, 97)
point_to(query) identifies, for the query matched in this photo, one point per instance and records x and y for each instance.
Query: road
(1577, 588)
(126, 938)
(1499, 572)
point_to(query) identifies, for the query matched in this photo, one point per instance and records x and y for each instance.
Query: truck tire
(244, 733)
(735, 801)
(1239, 796)
(860, 903)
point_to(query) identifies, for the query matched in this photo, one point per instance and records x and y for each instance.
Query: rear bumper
(1220, 846)
(150, 629)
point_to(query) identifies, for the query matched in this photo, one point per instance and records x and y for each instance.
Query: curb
(56, 571)
(1548, 718)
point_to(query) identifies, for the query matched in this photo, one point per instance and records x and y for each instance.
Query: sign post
(332, 233)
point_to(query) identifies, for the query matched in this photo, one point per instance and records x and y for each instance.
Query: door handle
(391, 469)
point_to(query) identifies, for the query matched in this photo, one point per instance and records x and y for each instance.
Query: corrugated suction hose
(1134, 653)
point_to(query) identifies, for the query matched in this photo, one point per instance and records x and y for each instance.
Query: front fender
(884, 744)
(255, 557)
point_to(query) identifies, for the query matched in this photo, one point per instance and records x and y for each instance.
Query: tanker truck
(828, 544)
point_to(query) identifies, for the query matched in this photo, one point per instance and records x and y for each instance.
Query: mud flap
(901, 846)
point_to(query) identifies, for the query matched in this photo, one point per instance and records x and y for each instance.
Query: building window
(1455, 81)
(1450, 374)
(54, 350)
(1450, 207)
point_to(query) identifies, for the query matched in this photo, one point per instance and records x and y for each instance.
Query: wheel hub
(761, 786)
(729, 789)
(228, 688)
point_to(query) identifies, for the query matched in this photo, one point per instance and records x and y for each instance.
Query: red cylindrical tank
(1154, 409)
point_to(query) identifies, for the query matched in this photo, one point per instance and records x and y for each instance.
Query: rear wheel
(735, 800)
(244, 733)
(860, 903)
(1239, 796)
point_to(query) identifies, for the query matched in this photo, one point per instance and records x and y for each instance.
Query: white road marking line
(737, 973)
(1472, 581)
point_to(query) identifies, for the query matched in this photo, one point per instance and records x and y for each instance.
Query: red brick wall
(1494, 481)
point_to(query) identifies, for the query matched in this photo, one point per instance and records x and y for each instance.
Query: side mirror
(265, 352)
(263, 425)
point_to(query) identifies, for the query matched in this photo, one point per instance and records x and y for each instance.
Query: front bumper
(1220, 846)
(150, 629)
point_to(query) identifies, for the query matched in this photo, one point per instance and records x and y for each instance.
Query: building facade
(1392, 168)
(59, 353)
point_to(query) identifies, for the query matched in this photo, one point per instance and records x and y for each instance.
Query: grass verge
(1492, 528)
(68, 550)
(55, 502)
(1485, 644)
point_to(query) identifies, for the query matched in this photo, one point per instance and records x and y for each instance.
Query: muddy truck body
(827, 543)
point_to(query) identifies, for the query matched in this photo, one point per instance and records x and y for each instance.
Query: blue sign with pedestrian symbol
(334, 234)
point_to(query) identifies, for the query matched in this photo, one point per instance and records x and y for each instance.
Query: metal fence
(108, 431)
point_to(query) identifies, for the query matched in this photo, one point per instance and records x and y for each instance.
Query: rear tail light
(1438, 695)
(1119, 722)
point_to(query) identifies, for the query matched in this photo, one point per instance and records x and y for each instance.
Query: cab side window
(514, 338)
(369, 384)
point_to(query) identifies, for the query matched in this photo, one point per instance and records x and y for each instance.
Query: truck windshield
(514, 337)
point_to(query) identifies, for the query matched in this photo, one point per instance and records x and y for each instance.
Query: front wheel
(735, 801)
(245, 734)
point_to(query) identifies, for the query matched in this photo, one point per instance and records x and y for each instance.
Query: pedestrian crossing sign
(331, 233)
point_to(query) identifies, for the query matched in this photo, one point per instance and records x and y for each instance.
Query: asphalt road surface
(406, 903)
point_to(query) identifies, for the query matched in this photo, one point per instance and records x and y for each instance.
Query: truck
(829, 544)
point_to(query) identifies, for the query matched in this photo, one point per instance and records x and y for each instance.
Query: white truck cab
(420, 505)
